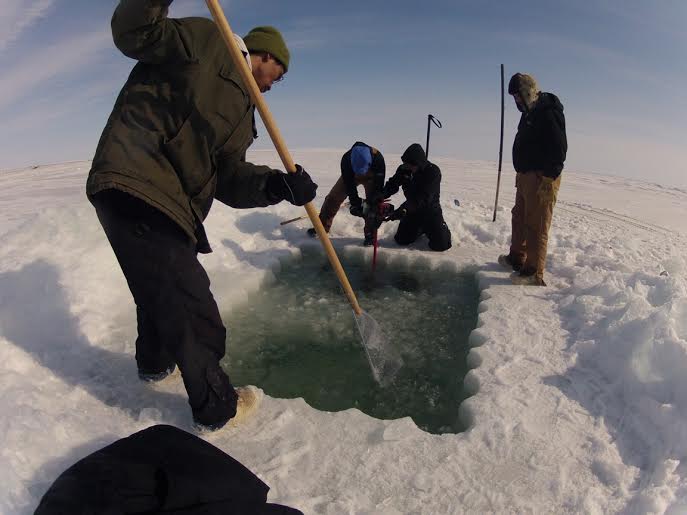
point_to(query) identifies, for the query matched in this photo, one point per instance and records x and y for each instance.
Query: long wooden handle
(278, 141)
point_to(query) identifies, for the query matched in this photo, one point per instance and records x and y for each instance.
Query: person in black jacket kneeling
(421, 212)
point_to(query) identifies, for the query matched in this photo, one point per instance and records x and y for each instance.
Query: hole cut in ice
(296, 337)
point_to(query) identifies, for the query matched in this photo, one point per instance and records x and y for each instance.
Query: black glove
(398, 214)
(356, 210)
(298, 188)
(385, 211)
(404, 173)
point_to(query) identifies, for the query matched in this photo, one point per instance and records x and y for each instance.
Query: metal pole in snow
(430, 118)
(498, 180)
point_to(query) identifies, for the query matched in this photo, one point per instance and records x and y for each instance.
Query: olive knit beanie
(268, 39)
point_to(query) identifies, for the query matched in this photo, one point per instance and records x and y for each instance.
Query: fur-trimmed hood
(548, 101)
(526, 86)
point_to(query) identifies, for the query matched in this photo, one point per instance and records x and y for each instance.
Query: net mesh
(384, 359)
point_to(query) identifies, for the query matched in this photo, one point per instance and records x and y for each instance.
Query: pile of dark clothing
(161, 469)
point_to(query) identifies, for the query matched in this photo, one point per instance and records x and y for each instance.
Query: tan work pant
(336, 197)
(534, 200)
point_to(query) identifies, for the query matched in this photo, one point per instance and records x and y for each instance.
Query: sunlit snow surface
(581, 390)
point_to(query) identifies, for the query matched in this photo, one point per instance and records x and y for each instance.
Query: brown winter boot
(247, 404)
(506, 261)
(527, 278)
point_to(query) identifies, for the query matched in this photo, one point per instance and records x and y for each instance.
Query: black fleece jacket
(540, 143)
(421, 189)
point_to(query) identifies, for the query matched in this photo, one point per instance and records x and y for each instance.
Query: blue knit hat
(361, 159)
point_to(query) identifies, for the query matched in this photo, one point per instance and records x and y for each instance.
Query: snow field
(580, 399)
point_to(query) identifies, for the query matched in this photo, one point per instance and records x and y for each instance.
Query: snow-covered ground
(580, 388)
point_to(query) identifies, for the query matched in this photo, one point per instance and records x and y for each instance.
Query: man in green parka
(177, 139)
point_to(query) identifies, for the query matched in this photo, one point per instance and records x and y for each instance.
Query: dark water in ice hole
(296, 337)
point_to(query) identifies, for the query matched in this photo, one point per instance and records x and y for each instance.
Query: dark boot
(528, 277)
(506, 261)
(150, 376)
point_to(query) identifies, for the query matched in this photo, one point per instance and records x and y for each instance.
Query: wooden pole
(282, 150)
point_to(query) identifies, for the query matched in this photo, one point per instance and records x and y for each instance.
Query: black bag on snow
(161, 469)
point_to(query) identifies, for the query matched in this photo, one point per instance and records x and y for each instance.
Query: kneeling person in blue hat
(361, 165)
(421, 212)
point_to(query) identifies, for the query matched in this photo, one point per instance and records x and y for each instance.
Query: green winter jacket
(178, 134)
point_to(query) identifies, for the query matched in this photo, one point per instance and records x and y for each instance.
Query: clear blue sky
(373, 70)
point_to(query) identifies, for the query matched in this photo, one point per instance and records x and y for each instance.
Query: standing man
(176, 139)
(539, 152)
(421, 212)
(362, 164)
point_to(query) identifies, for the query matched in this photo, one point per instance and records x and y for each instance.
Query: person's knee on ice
(440, 245)
(438, 233)
(404, 239)
(439, 236)
(409, 230)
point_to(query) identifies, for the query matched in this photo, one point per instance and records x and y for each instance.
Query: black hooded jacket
(421, 189)
(377, 170)
(541, 143)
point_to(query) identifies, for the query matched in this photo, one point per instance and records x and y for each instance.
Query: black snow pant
(161, 469)
(178, 319)
(431, 223)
